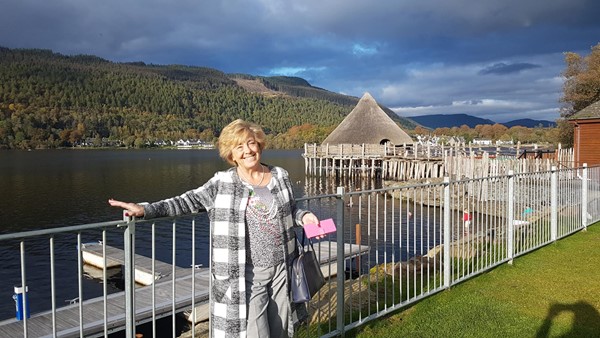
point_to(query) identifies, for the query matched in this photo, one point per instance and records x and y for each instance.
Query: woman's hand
(310, 218)
(132, 209)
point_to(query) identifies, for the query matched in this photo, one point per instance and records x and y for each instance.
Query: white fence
(417, 239)
(419, 242)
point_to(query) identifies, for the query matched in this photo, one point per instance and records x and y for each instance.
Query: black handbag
(307, 278)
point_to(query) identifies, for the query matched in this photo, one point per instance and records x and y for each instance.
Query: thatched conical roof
(369, 124)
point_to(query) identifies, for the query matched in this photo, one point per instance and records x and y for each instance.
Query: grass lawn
(551, 292)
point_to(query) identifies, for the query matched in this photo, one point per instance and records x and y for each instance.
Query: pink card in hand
(324, 227)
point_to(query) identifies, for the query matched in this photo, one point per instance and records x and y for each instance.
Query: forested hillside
(52, 100)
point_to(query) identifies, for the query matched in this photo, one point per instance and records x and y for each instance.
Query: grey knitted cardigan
(225, 198)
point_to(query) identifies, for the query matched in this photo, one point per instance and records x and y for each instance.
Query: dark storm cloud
(504, 68)
(417, 56)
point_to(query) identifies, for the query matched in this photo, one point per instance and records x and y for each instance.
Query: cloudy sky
(495, 59)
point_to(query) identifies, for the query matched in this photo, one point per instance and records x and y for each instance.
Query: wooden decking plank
(69, 315)
(93, 312)
(62, 323)
(11, 331)
(33, 329)
(115, 305)
(38, 329)
(16, 330)
(141, 302)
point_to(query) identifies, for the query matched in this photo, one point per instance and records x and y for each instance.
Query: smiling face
(248, 138)
(246, 154)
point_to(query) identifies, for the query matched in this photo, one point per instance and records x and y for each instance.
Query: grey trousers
(267, 302)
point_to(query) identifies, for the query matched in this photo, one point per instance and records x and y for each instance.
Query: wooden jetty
(420, 162)
(115, 258)
(67, 317)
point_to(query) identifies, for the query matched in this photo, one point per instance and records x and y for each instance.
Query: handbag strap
(301, 243)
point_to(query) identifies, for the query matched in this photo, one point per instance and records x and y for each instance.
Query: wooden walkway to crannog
(421, 162)
(67, 317)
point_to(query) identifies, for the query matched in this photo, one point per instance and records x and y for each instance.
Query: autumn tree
(443, 131)
(582, 81)
(467, 133)
(581, 88)
(484, 131)
(421, 131)
(520, 134)
(498, 130)
(207, 135)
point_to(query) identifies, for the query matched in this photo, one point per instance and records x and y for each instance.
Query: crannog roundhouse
(368, 124)
(586, 142)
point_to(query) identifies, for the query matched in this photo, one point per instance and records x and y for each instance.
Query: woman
(252, 213)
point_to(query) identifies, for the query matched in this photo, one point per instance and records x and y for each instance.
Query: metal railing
(419, 243)
(410, 242)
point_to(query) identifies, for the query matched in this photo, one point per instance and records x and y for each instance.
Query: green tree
(565, 132)
(60, 100)
(139, 143)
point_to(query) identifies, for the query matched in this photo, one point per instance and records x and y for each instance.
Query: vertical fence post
(129, 274)
(553, 204)
(358, 244)
(510, 216)
(447, 258)
(53, 284)
(584, 196)
(24, 301)
(340, 260)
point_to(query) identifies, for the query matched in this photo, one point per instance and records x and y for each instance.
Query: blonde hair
(237, 132)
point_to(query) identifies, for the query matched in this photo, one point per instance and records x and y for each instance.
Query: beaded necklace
(262, 177)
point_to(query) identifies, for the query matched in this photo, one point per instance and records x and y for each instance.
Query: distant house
(367, 123)
(455, 140)
(162, 143)
(182, 143)
(189, 144)
(586, 142)
(482, 141)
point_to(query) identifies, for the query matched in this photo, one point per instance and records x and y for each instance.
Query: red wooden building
(586, 137)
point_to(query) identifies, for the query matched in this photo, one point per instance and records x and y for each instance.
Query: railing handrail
(88, 226)
(60, 230)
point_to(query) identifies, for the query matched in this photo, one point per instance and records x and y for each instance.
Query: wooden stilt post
(305, 158)
(320, 166)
